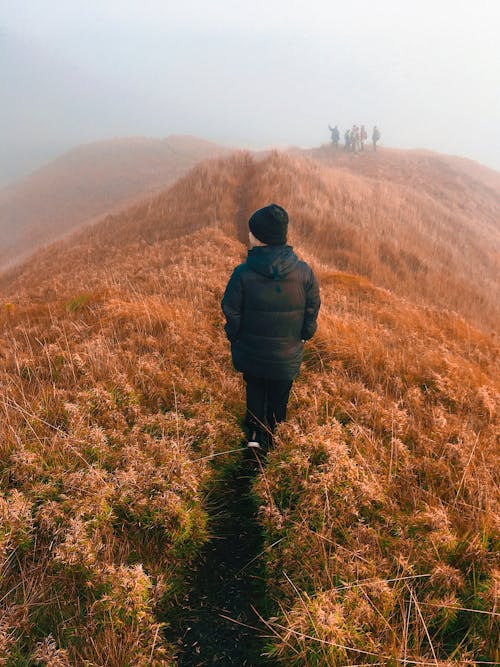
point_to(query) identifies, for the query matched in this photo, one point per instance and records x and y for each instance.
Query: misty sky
(269, 73)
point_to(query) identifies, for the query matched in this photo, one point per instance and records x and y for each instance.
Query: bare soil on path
(217, 622)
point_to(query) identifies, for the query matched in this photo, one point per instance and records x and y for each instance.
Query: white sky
(273, 72)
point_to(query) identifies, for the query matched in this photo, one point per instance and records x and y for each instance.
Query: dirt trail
(217, 623)
(243, 199)
(228, 582)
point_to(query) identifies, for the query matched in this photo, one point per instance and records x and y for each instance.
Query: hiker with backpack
(375, 137)
(271, 305)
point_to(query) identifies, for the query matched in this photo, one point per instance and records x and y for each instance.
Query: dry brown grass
(384, 486)
(117, 385)
(409, 228)
(109, 405)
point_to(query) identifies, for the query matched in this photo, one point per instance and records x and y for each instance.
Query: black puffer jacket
(271, 304)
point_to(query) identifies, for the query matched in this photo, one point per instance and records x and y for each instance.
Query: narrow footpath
(216, 623)
(243, 199)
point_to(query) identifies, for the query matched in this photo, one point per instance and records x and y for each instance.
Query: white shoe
(253, 442)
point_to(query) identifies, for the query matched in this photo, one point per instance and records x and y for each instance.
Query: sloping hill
(89, 181)
(379, 504)
(411, 221)
(408, 240)
(458, 183)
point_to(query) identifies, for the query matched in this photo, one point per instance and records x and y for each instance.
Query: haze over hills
(409, 223)
(89, 181)
(378, 505)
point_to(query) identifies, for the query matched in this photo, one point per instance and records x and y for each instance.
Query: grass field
(379, 503)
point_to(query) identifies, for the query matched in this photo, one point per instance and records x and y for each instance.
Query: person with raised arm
(335, 135)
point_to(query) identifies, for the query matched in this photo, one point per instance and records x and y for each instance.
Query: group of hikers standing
(354, 138)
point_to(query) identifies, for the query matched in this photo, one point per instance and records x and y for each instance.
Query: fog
(274, 73)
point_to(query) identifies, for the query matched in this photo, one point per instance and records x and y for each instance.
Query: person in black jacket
(271, 305)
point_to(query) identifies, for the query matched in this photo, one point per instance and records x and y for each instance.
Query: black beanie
(269, 224)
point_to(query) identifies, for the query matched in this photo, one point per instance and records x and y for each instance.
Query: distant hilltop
(89, 181)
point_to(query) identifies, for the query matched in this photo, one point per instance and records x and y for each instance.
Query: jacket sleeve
(313, 303)
(232, 306)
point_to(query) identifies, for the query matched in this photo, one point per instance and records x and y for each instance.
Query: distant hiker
(375, 137)
(347, 140)
(354, 138)
(362, 137)
(271, 304)
(335, 135)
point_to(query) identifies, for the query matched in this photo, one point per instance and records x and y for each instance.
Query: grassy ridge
(380, 502)
(419, 242)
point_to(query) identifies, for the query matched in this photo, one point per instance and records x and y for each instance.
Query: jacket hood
(272, 261)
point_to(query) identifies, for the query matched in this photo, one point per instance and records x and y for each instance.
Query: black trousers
(267, 401)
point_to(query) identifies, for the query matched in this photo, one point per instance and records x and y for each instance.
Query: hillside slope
(404, 239)
(435, 173)
(88, 182)
(379, 503)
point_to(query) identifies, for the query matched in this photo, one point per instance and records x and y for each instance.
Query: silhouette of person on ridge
(347, 140)
(354, 139)
(271, 305)
(335, 135)
(375, 137)
(362, 137)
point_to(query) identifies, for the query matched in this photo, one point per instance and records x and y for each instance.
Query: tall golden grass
(113, 403)
(381, 497)
(379, 502)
